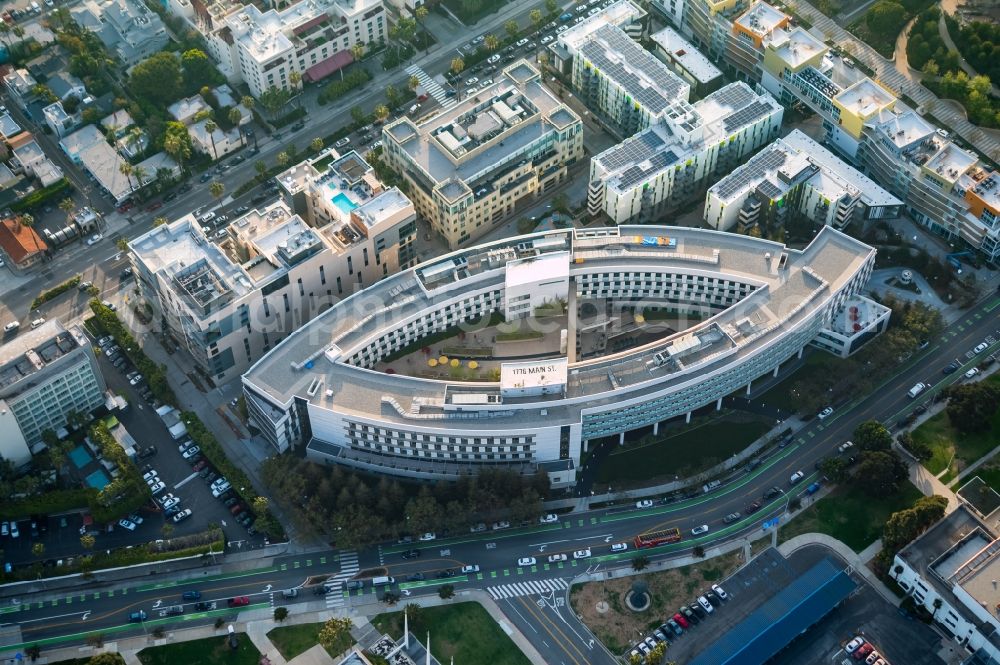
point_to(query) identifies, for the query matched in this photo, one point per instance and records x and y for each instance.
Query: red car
(200, 465)
(863, 651)
(125, 207)
(683, 622)
(155, 205)
(239, 601)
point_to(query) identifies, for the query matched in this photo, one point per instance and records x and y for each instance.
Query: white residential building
(951, 571)
(128, 28)
(229, 304)
(310, 37)
(29, 158)
(60, 122)
(21, 85)
(215, 144)
(686, 61)
(45, 374)
(676, 159)
(795, 175)
(87, 147)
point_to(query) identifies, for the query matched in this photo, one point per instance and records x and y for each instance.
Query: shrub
(55, 292)
(58, 189)
(355, 79)
(156, 376)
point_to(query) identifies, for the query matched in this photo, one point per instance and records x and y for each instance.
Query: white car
(521, 42)
(5, 529)
(181, 516)
(526, 561)
(469, 569)
(551, 518)
(698, 530)
(854, 644)
(497, 526)
(487, 83)
(796, 477)
(705, 605)
(645, 503)
(562, 28)
(136, 518)
(547, 38)
(171, 502)
(582, 554)
(478, 528)
(972, 372)
(844, 447)
(110, 305)
(37, 322)
(427, 537)
(825, 413)
(342, 142)
(619, 547)
(493, 59)
(980, 347)
(14, 532)
(135, 380)
(720, 592)
(126, 524)
(13, 325)
(191, 452)
(149, 475)
(221, 233)
(166, 497)
(153, 480)
(218, 481)
(157, 488)
(472, 80)
(221, 489)
(94, 239)
(555, 558)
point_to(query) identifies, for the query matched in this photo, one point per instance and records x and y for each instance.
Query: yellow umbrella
(443, 360)
(455, 362)
(473, 364)
(639, 318)
(432, 362)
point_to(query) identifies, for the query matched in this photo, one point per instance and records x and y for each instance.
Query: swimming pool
(80, 457)
(344, 203)
(98, 479)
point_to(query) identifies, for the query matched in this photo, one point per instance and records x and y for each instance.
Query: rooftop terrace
(795, 47)
(34, 350)
(865, 98)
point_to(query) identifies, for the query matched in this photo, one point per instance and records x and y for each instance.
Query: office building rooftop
(686, 55)
(34, 350)
(865, 98)
(761, 19)
(795, 47)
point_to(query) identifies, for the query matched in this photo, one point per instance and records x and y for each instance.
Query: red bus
(656, 538)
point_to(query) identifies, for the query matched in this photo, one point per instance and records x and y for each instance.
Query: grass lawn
(464, 631)
(209, 651)
(849, 516)
(686, 452)
(781, 394)
(293, 640)
(953, 448)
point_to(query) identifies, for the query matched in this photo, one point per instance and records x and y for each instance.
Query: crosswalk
(527, 588)
(432, 87)
(335, 585)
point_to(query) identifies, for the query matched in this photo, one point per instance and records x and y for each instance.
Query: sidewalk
(856, 561)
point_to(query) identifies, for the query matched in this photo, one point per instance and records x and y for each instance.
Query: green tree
(457, 65)
(834, 468)
(235, 116)
(260, 505)
(282, 159)
(157, 79)
(87, 541)
(415, 612)
(68, 206)
(886, 17)
(280, 613)
(880, 473)
(491, 42)
(260, 166)
(334, 631)
(381, 112)
(177, 142)
(536, 17)
(126, 170)
(446, 591)
(904, 526)
(167, 529)
(159, 221)
(972, 406)
(635, 658)
(316, 144)
(657, 653)
(511, 27)
(357, 51)
(872, 435)
(106, 658)
(551, 6)
(273, 100)
(358, 115)
(38, 550)
(392, 95)
(640, 562)
(413, 83)
(197, 69)
(216, 189)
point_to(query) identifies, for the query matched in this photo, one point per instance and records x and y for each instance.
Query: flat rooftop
(865, 98)
(845, 175)
(328, 349)
(34, 350)
(796, 46)
(905, 129)
(618, 14)
(638, 72)
(988, 191)
(686, 55)
(761, 19)
(951, 162)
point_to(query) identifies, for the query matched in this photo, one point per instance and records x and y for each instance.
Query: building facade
(327, 386)
(795, 175)
(45, 374)
(469, 166)
(675, 160)
(229, 304)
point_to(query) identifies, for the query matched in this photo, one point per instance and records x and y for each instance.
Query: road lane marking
(186, 481)
(57, 616)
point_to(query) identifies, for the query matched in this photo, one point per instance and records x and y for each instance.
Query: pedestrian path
(527, 588)
(335, 597)
(432, 87)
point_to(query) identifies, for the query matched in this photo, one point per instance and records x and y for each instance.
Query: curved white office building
(518, 352)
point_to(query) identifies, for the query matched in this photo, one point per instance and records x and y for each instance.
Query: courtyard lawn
(463, 631)
(208, 651)
(954, 450)
(293, 640)
(780, 396)
(685, 452)
(849, 516)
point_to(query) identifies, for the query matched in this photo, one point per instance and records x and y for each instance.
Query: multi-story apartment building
(470, 165)
(263, 48)
(128, 28)
(230, 304)
(951, 571)
(338, 387)
(795, 175)
(687, 61)
(943, 187)
(45, 374)
(675, 160)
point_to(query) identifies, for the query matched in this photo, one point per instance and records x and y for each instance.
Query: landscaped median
(55, 291)
(106, 322)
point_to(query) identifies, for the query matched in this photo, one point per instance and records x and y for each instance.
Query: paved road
(58, 616)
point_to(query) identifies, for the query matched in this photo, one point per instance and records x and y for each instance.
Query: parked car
(411, 554)
(796, 477)
(731, 517)
(526, 561)
(825, 413)
(466, 570)
(238, 601)
(720, 592)
(137, 617)
(581, 554)
(427, 537)
(619, 547)
(645, 503)
(126, 524)
(181, 516)
(556, 558)
(548, 519)
(698, 530)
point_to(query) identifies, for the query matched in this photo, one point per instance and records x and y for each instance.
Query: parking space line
(185, 481)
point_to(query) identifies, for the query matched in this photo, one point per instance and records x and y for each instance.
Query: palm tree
(357, 50)
(26, 220)
(491, 42)
(140, 175)
(420, 13)
(316, 144)
(551, 6)
(210, 127)
(392, 95)
(126, 170)
(282, 158)
(261, 168)
(216, 189)
(159, 221)
(511, 26)
(457, 65)
(176, 148)
(68, 206)
(412, 83)
(536, 17)
(381, 112)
